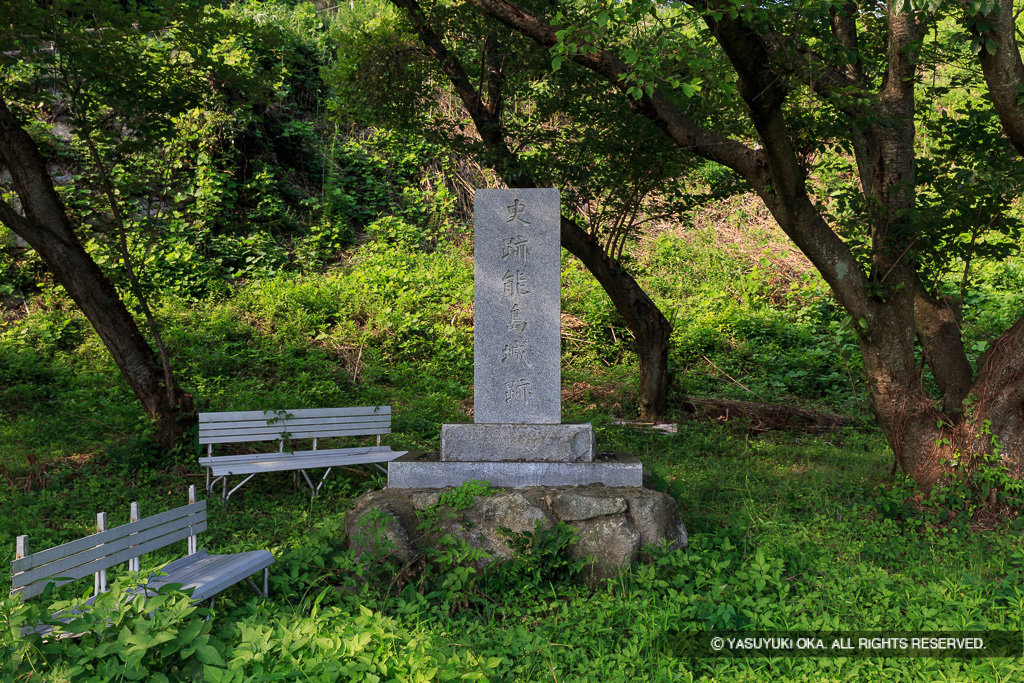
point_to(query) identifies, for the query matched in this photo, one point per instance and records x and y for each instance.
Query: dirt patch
(763, 417)
(351, 357)
(32, 476)
(462, 316)
(12, 309)
(609, 396)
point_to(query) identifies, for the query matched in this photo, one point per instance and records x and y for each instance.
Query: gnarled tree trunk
(47, 229)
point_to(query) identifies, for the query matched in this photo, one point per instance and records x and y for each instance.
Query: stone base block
(614, 525)
(427, 470)
(475, 442)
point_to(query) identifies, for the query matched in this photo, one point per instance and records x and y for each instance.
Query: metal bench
(206, 575)
(285, 427)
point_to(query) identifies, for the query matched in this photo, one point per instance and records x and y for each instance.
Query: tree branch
(772, 172)
(12, 219)
(1003, 68)
(684, 131)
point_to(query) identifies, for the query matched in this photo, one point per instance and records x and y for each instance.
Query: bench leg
(254, 588)
(266, 584)
(227, 494)
(322, 480)
(316, 489)
(310, 483)
(212, 483)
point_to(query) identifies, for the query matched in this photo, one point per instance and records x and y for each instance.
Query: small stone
(611, 543)
(424, 500)
(656, 517)
(572, 507)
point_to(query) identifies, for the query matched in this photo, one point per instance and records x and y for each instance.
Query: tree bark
(1003, 67)
(650, 328)
(45, 226)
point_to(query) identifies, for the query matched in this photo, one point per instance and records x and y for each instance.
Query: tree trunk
(47, 229)
(648, 324)
(650, 328)
(1002, 66)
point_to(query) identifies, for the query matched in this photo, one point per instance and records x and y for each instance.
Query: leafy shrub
(462, 496)
(539, 559)
(977, 490)
(157, 636)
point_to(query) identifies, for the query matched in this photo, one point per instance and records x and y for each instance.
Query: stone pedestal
(614, 524)
(517, 442)
(429, 470)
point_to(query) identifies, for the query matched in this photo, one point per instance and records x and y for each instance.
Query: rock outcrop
(614, 524)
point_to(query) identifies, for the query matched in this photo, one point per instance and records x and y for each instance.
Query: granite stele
(517, 437)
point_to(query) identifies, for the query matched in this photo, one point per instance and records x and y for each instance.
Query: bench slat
(323, 430)
(208, 460)
(39, 585)
(295, 435)
(211, 574)
(344, 422)
(258, 431)
(99, 557)
(205, 418)
(82, 544)
(288, 463)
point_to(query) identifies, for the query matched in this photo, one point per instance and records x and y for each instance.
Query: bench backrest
(94, 554)
(303, 423)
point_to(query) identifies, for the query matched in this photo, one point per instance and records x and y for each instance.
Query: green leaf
(207, 654)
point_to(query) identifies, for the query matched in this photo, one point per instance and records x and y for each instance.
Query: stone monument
(517, 437)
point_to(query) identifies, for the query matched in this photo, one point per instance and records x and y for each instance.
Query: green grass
(788, 530)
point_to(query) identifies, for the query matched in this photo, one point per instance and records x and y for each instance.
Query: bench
(286, 426)
(206, 575)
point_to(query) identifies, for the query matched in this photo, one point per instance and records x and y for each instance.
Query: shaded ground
(762, 417)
